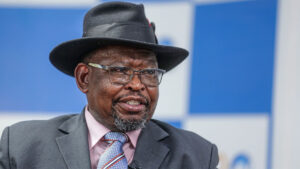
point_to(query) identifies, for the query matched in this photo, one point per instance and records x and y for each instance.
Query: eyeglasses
(123, 75)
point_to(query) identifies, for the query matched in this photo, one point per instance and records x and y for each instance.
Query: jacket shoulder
(35, 131)
(188, 149)
(32, 144)
(31, 125)
(182, 135)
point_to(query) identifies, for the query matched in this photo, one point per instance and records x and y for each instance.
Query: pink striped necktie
(113, 157)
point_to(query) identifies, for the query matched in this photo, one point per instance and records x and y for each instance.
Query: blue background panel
(233, 52)
(28, 80)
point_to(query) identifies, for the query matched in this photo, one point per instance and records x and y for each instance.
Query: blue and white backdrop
(223, 91)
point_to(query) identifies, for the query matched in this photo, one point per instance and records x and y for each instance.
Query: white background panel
(287, 87)
(173, 22)
(234, 135)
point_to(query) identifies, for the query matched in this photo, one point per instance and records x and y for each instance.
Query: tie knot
(116, 136)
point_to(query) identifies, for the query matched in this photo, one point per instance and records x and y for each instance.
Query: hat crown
(120, 20)
(115, 23)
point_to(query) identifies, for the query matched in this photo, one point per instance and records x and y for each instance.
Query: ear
(81, 73)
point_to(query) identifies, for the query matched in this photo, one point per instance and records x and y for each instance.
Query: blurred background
(239, 88)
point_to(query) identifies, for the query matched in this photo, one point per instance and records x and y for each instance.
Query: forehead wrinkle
(142, 56)
(103, 56)
(135, 60)
(144, 61)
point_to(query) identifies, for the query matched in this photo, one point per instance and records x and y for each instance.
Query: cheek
(105, 96)
(153, 93)
(101, 96)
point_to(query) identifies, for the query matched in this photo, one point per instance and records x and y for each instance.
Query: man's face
(119, 107)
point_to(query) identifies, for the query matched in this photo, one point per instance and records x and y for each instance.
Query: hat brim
(67, 55)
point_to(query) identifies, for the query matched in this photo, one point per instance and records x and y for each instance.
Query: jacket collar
(150, 151)
(73, 145)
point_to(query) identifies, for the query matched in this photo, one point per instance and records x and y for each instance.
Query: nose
(135, 84)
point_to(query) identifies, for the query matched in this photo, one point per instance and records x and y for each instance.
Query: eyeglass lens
(123, 75)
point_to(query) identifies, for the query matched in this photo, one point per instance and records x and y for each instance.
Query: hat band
(125, 31)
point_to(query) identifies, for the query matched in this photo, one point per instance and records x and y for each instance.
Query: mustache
(133, 94)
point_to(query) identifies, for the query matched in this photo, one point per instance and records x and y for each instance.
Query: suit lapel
(73, 145)
(150, 151)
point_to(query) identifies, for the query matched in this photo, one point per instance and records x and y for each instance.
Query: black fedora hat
(115, 23)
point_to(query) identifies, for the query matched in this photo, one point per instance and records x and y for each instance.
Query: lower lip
(132, 108)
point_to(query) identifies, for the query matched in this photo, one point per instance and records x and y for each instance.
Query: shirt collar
(97, 130)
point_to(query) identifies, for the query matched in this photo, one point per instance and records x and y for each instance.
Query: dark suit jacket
(61, 143)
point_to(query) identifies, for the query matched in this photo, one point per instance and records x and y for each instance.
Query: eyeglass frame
(107, 68)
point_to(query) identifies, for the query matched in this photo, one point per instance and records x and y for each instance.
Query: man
(118, 64)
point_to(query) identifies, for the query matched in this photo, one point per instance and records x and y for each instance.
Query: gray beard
(129, 125)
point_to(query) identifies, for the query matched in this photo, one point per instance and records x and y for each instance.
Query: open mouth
(133, 104)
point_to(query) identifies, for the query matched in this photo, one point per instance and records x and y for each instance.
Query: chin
(130, 123)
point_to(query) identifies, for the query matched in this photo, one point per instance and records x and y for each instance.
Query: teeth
(133, 102)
